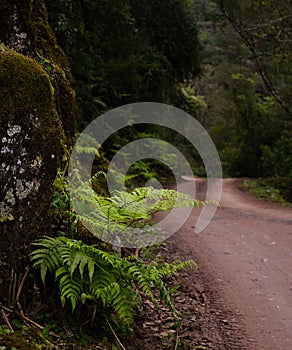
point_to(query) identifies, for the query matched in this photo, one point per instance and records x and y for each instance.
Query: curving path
(246, 254)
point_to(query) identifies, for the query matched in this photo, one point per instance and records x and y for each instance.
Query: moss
(37, 120)
(22, 339)
(31, 138)
(49, 52)
(28, 98)
(25, 28)
(23, 84)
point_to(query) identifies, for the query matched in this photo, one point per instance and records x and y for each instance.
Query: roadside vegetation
(277, 190)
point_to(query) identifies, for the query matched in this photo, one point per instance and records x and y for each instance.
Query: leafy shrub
(189, 101)
(281, 184)
(277, 159)
(276, 190)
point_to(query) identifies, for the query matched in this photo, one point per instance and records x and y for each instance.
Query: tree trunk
(37, 117)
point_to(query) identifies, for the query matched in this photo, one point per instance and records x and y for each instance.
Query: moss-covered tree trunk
(37, 117)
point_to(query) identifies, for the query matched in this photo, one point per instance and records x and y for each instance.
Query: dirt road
(246, 255)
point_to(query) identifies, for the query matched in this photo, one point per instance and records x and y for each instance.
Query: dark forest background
(227, 63)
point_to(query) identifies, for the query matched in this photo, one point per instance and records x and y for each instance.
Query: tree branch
(261, 66)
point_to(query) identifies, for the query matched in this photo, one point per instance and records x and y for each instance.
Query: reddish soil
(245, 258)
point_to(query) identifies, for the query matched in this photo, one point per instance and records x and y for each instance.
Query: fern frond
(134, 273)
(105, 287)
(48, 257)
(123, 209)
(74, 256)
(71, 286)
(107, 257)
(124, 307)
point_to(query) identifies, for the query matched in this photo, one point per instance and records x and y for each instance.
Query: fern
(71, 286)
(48, 259)
(107, 216)
(86, 272)
(116, 214)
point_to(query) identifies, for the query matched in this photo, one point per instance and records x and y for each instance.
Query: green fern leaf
(44, 270)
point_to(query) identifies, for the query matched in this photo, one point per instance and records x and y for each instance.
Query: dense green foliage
(275, 189)
(265, 28)
(125, 51)
(130, 51)
(247, 103)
